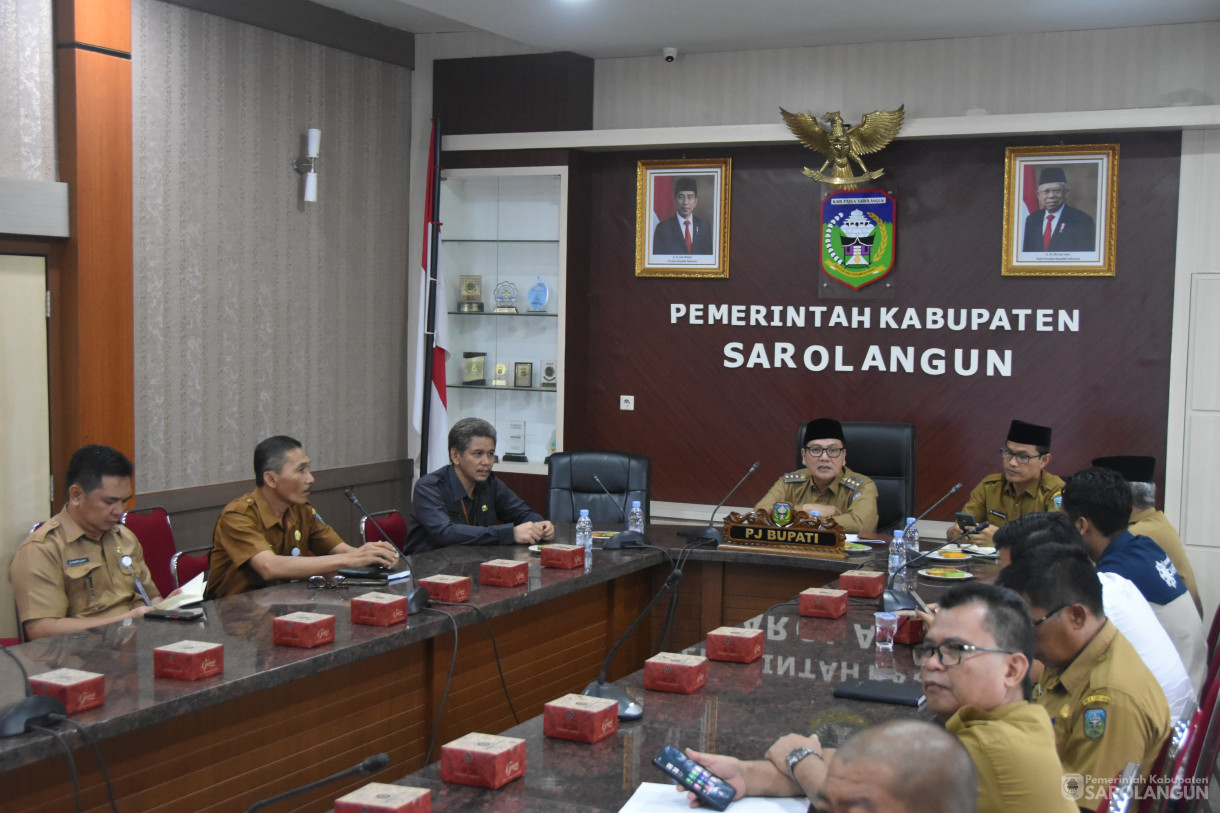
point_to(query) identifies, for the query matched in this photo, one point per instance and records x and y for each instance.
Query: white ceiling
(622, 28)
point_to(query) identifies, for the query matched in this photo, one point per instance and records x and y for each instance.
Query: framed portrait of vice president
(682, 218)
(1060, 210)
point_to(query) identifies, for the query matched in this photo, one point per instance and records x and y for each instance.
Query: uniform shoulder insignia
(798, 476)
(1094, 723)
(851, 481)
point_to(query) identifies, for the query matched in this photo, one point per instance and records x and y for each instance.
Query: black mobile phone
(965, 521)
(178, 614)
(710, 789)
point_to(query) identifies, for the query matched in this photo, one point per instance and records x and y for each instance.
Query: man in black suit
(1056, 226)
(683, 233)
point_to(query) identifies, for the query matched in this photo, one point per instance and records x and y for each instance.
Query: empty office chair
(885, 453)
(392, 522)
(571, 487)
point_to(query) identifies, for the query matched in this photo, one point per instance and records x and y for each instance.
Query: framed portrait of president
(1060, 210)
(682, 218)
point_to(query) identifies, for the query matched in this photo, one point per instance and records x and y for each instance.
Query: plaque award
(501, 379)
(549, 375)
(538, 296)
(475, 371)
(506, 297)
(516, 443)
(523, 374)
(471, 287)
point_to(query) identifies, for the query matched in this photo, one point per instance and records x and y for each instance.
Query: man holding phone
(1023, 487)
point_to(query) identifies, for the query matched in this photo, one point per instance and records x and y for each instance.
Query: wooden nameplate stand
(756, 532)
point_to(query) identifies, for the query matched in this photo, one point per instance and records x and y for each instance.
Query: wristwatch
(795, 756)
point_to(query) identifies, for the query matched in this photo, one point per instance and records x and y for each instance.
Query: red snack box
(823, 602)
(77, 690)
(911, 628)
(865, 583)
(562, 556)
(447, 588)
(671, 672)
(735, 644)
(483, 760)
(378, 797)
(580, 718)
(504, 573)
(379, 609)
(305, 630)
(188, 660)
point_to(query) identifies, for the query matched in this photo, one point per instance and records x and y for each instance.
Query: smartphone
(965, 521)
(710, 789)
(177, 614)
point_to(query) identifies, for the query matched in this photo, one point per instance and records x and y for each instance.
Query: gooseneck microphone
(948, 494)
(417, 597)
(893, 600)
(622, 539)
(712, 535)
(370, 765)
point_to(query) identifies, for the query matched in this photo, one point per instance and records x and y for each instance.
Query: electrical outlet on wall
(626, 403)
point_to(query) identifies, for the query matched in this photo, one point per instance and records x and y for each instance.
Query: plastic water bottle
(584, 535)
(635, 519)
(912, 537)
(898, 561)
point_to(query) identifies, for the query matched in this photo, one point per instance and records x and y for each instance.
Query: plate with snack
(855, 547)
(946, 574)
(981, 550)
(949, 556)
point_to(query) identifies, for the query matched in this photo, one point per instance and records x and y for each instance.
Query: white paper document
(654, 796)
(192, 593)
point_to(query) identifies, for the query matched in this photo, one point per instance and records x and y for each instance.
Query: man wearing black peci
(464, 503)
(1023, 487)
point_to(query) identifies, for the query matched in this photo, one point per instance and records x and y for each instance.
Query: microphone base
(36, 709)
(628, 707)
(418, 600)
(893, 601)
(707, 536)
(625, 539)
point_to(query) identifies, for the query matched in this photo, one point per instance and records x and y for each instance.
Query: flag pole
(433, 237)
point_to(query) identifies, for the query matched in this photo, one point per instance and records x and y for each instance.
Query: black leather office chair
(571, 486)
(884, 452)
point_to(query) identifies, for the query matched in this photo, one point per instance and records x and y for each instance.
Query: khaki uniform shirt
(58, 572)
(1107, 710)
(1156, 526)
(247, 527)
(1013, 748)
(859, 505)
(996, 501)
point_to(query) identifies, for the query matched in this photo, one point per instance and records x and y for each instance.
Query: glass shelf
(489, 388)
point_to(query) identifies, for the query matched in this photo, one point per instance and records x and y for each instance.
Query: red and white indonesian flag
(438, 419)
(662, 201)
(1029, 193)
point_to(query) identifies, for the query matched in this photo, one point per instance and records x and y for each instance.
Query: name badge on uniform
(996, 513)
(84, 560)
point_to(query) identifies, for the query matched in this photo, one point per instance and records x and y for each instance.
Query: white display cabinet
(507, 225)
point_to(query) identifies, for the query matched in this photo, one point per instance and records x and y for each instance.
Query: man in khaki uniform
(1023, 487)
(1140, 472)
(975, 663)
(78, 569)
(1106, 706)
(261, 535)
(826, 485)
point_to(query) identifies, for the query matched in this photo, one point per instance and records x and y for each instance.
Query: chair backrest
(1202, 752)
(1119, 797)
(885, 453)
(151, 526)
(1213, 633)
(571, 487)
(392, 522)
(1168, 764)
(186, 565)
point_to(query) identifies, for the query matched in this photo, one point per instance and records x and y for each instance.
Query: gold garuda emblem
(842, 144)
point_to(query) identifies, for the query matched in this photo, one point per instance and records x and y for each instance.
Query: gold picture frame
(661, 248)
(1077, 239)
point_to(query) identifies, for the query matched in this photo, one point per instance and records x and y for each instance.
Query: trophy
(506, 297)
(523, 374)
(475, 368)
(501, 379)
(516, 443)
(549, 374)
(538, 296)
(471, 286)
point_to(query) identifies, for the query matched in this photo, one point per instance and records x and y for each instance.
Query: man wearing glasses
(1106, 707)
(1023, 487)
(974, 665)
(825, 484)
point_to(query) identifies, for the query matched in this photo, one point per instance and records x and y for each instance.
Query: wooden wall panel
(100, 23)
(1103, 389)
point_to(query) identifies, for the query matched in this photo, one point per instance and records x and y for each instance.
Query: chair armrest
(173, 561)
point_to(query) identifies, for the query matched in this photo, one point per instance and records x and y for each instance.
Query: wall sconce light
(305, 165)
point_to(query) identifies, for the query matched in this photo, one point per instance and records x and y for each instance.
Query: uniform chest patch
(1094, 723)
(996, 513)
